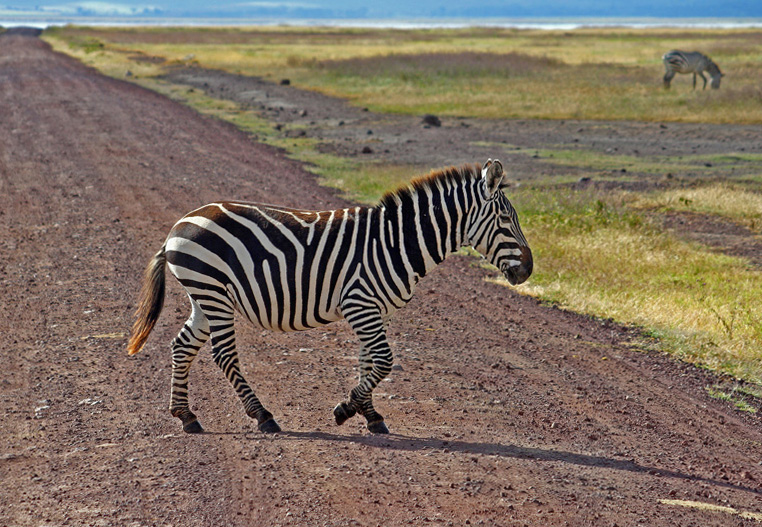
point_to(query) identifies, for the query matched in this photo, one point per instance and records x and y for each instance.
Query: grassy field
(600, 253)
(500, 73)
(604, 255)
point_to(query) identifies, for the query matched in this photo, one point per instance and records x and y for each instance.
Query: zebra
(676, 61)
(288, 270)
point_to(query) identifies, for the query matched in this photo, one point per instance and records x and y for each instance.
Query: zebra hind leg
(226, 357)
(185, 346)
(668, 79)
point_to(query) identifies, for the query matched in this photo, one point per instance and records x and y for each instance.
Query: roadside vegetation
(603, 255)
(599, 252)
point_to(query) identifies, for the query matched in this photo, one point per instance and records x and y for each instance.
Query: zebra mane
(445, 177)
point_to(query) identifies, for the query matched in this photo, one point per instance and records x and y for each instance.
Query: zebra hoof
(269, 427)
(342, 412)
(192, 427)
(378, 427)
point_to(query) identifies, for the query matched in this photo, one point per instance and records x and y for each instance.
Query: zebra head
(715, 82)
(495, 231)
(715, 74)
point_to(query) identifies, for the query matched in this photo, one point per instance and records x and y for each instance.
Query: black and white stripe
(677, 61)
(290, 270)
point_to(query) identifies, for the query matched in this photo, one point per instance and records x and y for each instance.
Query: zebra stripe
(290, 270)
(677, 61)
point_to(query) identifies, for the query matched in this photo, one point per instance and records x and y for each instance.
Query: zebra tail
(151, 302)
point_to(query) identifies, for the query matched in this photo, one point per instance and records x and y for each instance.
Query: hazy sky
(398, 8)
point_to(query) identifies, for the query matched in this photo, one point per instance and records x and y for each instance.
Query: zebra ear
(493, 174)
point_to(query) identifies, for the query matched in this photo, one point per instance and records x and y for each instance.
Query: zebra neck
(422, 230)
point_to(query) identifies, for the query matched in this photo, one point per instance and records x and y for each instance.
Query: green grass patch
(609, 162)
(737, 396)
(716, 392)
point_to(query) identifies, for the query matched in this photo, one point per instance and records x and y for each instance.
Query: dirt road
(504, 411)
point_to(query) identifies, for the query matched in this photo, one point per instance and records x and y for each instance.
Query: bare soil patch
(724, 235)
(504, 411)
(407, 139)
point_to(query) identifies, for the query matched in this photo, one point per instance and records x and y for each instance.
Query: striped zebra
(290, 270)
(676, 61)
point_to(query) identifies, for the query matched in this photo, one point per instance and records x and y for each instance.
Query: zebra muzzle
(517, 274)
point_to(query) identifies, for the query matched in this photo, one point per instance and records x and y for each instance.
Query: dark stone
(431, 120)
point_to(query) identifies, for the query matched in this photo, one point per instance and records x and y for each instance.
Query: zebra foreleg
(375, 364)
(701, 74)
(226, 357)
(344, 411)
(668, 79)
(185, 346)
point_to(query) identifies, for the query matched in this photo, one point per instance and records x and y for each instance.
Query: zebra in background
(290, 270)
(694, 62)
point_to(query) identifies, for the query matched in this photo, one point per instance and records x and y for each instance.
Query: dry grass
(464, 64)
(738, 204)
(486, 72)
(595, 255)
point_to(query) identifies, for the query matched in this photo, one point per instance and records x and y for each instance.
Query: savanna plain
(619, 386)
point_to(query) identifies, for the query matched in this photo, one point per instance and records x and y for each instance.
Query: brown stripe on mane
(450, 176)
